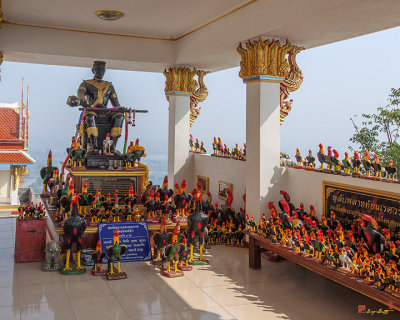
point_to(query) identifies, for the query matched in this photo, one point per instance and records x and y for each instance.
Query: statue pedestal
(110, 180)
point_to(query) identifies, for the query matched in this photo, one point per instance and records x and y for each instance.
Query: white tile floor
(226, 289)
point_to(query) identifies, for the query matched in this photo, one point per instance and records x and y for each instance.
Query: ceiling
(153, 18)
(155, 34)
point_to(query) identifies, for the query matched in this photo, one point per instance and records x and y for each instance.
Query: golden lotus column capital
(264, 60)
(179, 81)
(268, 60)
(18, 172)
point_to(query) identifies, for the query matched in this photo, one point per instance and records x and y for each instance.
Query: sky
(342, 79)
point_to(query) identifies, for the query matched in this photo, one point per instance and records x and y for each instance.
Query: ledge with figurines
(356, 167)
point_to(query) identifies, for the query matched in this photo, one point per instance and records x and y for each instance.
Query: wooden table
(256, 242)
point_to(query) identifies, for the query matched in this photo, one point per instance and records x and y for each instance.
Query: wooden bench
(256, 242)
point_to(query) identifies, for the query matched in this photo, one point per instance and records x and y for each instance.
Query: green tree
(378, 132)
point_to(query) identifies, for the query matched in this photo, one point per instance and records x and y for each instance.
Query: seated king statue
(95, 94)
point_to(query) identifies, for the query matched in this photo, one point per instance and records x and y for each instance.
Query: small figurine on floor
(52, 260)
(74, 227)
(171, 254)
(184, 254)
(115, 253)
(197, 222)
(98, 257)
(161, 240)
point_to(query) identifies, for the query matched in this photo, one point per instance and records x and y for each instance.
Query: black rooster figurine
(197, 222)
(74, 227)
(98, 257)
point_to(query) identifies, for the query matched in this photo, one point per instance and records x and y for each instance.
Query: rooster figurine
(356, 163)
(310, 160)
(191, 143)
(367, 163)
(377, 167)
(336, 162)
(46, 172)
(74, 227)
(346, 163)
(197, 222)
(374, 241)
(391, 171)
(299, 159)
(98, 257)
(115, 253)
(321, 156)
(161, 240)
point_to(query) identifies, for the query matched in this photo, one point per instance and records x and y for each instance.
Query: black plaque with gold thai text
(350, 203)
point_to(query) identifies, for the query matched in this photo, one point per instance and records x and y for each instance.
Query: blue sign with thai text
(135, 235)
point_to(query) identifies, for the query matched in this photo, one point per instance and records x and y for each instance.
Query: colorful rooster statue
(98, 257)
(321, 156)
(367, 163)
(73, 228)
(197, 222)
(115, 253)
(46, 172)
(356, 163)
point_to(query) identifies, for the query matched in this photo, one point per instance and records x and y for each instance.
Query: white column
(178, 137)
(263, 145)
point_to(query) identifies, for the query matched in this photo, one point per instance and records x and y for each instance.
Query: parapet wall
(302, 185)
(306, 186)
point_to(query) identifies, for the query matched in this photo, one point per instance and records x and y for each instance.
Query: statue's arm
(79, 100)
(114, 97)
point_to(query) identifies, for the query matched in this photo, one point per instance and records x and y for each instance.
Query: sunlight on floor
(225, 289)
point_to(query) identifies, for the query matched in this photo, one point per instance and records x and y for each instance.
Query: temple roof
(15, 157)
(13, 135)
(9, 124)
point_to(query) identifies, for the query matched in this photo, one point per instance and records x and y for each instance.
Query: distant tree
(378, 132)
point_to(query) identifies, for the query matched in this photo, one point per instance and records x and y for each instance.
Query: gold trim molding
(110, 173)
(268, 58)
(18, 172)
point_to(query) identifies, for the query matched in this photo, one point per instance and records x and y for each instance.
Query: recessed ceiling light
(109, 15)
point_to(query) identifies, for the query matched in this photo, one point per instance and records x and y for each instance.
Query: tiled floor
(226, 289)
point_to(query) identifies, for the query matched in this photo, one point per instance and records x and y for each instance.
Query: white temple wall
(221, 169)
(5, 184)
